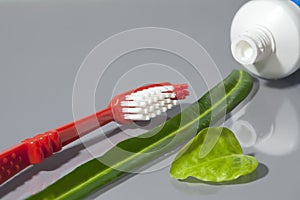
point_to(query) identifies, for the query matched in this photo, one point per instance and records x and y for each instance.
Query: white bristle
(173, 95)
(168, 100)
(156, 106)
(154, 99)
(169, 106)
(136, 117)
(158, 112)
(134, 103)
(148, 103)
(162, 103)
(132, 110)
(163, 109)
(152, 115)
(175, 102)
(167, 95)
(151, 108)
(134, 98)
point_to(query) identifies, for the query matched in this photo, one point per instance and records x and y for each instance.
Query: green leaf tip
(214, 155)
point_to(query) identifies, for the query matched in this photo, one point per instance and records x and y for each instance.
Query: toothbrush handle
(74, 130)
(12, 161)
(35, 150)
(30, 151)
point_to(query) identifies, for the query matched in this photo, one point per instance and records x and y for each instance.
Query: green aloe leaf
(224, 162)
(136, 152)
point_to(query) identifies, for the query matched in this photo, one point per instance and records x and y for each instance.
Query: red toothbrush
(142, 103)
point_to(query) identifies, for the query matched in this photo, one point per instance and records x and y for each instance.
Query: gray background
(42, 45)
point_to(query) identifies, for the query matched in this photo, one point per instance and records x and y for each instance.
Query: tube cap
(296, 2)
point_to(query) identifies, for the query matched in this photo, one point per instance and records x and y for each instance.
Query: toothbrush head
(147, 102)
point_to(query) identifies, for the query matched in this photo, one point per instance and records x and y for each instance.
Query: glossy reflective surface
(44, 43)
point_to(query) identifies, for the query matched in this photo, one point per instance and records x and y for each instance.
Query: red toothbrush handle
(30, 151)
(35, 150)
(13, 161)
(74, 130)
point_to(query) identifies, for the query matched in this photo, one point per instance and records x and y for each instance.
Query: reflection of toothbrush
(142, 103)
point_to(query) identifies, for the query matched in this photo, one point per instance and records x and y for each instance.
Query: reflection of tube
(271, 128)
(254, 122)
(245, 132)
(265, 37)
(285, 136)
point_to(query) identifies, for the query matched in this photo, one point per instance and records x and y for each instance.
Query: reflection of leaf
(135, 152)
(224, 162)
